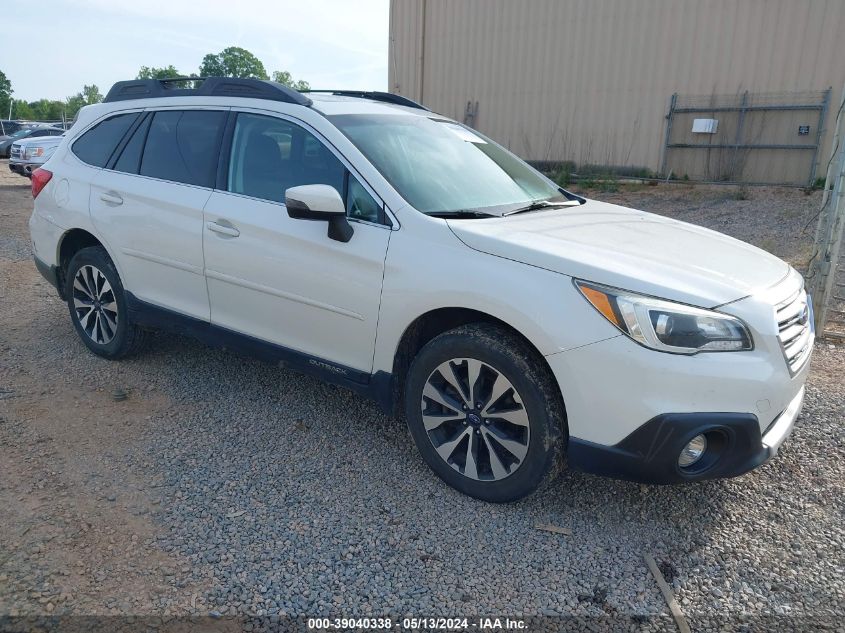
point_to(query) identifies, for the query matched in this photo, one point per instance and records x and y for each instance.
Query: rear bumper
(50, 273)
(650, 453)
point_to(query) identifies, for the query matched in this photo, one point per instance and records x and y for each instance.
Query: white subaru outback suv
(388, 249)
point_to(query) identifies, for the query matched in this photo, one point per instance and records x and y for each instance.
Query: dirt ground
(76, 526)
(82, 523)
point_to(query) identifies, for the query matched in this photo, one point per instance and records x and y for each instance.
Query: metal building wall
(590, 80)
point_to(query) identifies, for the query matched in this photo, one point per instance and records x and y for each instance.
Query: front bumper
(650, 453)
(24, 168)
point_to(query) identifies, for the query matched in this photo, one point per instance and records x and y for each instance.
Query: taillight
(40, 178)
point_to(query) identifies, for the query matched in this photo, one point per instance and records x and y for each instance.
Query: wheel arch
(435, 322)
(70, 243)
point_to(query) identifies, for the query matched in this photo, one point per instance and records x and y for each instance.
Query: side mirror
(320, 202)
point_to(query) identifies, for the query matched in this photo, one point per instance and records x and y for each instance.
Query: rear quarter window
(95, 146)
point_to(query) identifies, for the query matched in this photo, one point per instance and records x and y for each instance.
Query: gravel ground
(228, 487)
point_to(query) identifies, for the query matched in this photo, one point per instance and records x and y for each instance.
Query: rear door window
(182, 146)
(95, 147)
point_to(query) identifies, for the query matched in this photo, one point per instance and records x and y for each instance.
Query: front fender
(431, 269)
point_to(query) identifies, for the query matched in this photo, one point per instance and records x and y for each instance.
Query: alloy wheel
(95, 304)
(475, 419)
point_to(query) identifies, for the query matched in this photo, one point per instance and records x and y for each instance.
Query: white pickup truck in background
(29, 154)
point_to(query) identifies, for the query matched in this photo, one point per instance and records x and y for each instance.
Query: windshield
(439, 166)
(21, 133)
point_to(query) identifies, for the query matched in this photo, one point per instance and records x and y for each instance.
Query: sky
(329, 43)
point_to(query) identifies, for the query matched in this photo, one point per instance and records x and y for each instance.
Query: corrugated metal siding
(590, 80)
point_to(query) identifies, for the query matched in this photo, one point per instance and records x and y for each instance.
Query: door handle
(222, 229)
(111, 198)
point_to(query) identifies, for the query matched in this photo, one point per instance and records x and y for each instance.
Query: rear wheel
(98, 307)
(484, 412)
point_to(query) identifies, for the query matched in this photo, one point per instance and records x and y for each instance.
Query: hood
(634, 250)
(39, 140)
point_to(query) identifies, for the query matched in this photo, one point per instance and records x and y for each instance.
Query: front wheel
(97, 305)
(485, 413)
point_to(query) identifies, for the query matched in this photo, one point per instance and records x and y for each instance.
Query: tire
(97, 305)
(504, 449)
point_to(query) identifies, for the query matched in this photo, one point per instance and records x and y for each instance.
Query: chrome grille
(15, 152)
(795, 330)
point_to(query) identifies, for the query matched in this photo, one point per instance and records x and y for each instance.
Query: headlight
(34, 152)
(667, 326)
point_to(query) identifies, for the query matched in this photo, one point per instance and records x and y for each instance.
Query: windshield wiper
(461, 214)
(543, 204)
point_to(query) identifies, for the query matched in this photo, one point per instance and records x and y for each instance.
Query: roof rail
(209, 87)
(387, 97)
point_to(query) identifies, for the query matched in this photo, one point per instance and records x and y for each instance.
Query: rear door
(149, 200)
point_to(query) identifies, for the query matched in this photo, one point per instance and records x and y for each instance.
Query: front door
(284, 280)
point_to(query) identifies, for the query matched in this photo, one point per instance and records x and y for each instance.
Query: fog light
(693, 451)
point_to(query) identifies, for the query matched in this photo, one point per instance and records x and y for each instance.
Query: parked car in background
(29, 132)
(30, 153)
(9, 127)
(62, 125)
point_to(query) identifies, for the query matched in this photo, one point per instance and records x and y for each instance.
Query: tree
(92, 94)
(232, 62)
(5, 95)
(47, 110)
(89, 95)
(21, 110)
(151, 72)
(73, 104)
(283, 77)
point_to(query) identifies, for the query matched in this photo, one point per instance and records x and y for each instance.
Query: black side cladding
(376, 387)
